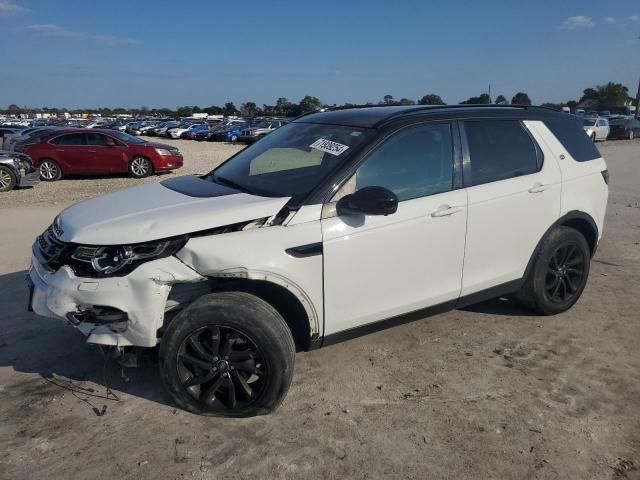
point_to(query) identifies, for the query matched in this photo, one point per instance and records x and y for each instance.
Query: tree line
(608, 95)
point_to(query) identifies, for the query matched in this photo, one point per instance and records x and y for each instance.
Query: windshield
(292, 160)
(589, 122)
(125, 137)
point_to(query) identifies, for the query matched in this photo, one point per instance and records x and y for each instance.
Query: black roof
(376, 116)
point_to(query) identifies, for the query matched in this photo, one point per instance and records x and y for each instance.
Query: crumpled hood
(154, 211)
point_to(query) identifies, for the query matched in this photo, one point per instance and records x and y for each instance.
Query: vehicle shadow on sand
(500, 306)
(59, 354)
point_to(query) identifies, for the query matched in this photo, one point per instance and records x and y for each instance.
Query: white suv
(337, 224)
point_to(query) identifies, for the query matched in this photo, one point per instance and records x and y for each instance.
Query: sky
(160, 53)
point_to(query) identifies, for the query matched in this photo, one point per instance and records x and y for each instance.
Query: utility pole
(491, 101)
(638, 99)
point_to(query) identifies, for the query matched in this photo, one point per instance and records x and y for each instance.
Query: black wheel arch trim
(564, 220)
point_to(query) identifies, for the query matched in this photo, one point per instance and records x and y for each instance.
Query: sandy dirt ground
(486, 392)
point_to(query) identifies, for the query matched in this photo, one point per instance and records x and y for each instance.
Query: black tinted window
(573, 137)
(73, 139)
(96, 139)
(500, 149)
(413, 163)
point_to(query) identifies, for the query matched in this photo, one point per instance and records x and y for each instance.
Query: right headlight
(119, 260)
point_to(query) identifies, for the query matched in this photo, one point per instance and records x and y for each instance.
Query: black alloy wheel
(565, 273)
(221, 368)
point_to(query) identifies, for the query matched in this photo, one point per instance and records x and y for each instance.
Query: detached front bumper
(30, 179)
(95, 305)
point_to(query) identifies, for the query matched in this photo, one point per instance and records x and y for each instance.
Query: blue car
(233, 134)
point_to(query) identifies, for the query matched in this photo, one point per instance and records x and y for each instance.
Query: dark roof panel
(376, 116)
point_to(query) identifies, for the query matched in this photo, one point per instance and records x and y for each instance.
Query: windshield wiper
(231, 183)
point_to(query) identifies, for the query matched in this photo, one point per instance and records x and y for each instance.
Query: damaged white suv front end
(108, 265)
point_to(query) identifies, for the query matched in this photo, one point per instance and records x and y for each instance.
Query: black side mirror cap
(368, 201)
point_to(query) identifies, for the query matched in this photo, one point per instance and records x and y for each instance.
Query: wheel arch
(576, 219)
(285, 296)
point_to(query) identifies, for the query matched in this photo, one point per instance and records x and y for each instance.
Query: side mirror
(110, 143)
(368, 201)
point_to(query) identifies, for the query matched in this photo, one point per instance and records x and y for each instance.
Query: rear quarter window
(573, 137)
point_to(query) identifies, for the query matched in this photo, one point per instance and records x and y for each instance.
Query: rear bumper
(119, 311)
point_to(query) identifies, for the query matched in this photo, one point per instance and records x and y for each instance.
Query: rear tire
(227, 354)
(50, 171)
(140, 167)
(559, 273)
(7, 179)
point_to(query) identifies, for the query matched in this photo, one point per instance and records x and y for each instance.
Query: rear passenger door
(514, 197)
(71, 152)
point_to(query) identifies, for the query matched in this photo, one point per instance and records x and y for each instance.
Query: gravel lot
(485, 392)
(199, 157)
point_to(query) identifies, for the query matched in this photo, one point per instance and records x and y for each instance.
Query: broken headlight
(119, 260)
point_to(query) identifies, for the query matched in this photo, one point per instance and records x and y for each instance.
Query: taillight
(605, 176)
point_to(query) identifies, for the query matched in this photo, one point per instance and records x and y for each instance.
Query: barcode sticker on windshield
(334, 148)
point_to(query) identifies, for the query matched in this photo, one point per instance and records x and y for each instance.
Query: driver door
(379, 267)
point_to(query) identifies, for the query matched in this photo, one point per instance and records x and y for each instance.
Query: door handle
(91, 151)
(538, 188)
(445, 211)
(59, 149)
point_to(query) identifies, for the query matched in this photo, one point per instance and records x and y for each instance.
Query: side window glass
(69, 140)
(413, 163)
(500, 149)
(572, 136)
(96, 139)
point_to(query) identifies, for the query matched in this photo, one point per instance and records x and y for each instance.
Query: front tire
(140, 167)
(559, 273)
(227, 354)
(593, 137)
(7, 179)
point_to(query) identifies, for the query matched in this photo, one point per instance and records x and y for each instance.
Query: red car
(97, 152)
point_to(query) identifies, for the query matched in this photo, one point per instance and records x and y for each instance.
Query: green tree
(613, 95)
(309, 104)
(185, 111)
(14, 109)
(431, 99)
(500, 99)
(521, 98)
(483, 99)
(250, 109)
(406, 101)
(229, 109)
(388, 99)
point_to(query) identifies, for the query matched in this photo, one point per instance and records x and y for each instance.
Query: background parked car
(4, 132)
(596, 128)
(624, 127)
(176, 132)
(17, 170)
(260, 130)
(162, 129)
(99, 152)
(191, 132)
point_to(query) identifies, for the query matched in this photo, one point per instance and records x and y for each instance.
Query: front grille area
(53, 252)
